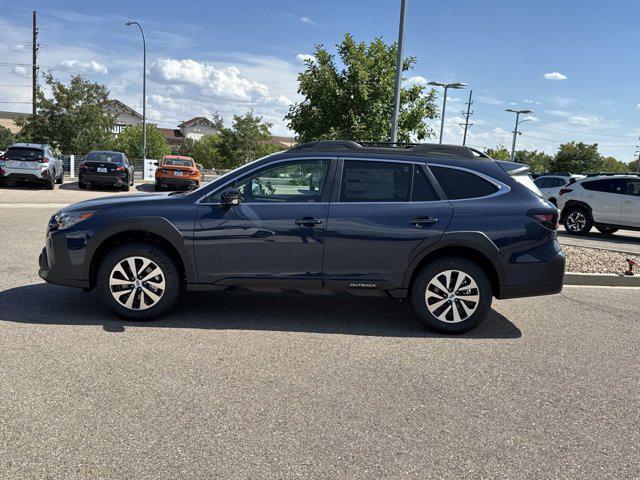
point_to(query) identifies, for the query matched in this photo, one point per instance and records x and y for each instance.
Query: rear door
(381, 212)
(604, 196)
(631, 204)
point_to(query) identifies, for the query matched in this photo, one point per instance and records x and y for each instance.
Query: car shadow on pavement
(597, 237)
(146, 187)
(42, 303)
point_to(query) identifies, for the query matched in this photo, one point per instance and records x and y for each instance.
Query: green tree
(611, 164)
(499, 153)
(576, 157)
(537, 161)
(187, 147)
(129, 141)
(6, 137)
(72, 119)
(206, 151)
(632, 166)
(356, 102)
(243, 141)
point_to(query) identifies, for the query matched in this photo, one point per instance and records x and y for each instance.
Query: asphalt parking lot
(248, 385)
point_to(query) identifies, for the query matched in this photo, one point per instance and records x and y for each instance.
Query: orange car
(178, 171)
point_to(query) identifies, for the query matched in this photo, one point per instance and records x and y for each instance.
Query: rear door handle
(420, 221)
(308, 221)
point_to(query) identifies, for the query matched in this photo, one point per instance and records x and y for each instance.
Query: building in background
(125, 116)
(197, 128)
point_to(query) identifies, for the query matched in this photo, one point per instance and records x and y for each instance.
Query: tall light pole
(515, 130)
(398, 78)
(447, 86)
(144, 91)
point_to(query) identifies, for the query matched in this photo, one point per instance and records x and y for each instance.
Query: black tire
(60, 179)
(82, 185)
(125, 187)
(606, 230)
(447, 323)
(157, 187)
(170, 274)
(131, 182)
(51, 183)
(3, 182)
(577, 221)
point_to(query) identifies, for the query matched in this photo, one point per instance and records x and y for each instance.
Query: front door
(383, 212)
(275, 236)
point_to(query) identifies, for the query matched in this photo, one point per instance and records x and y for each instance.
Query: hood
(115, 200)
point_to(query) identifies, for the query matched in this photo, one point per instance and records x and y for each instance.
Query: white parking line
(33, 205)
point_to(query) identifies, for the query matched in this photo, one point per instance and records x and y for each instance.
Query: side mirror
(230, 197)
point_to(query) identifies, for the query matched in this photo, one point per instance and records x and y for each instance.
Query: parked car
(607, 202)
(106, 168)
(550, 184)
(177, 171)
(444, 226)
(31, 162)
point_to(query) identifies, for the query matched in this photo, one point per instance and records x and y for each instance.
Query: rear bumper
(542, 279)
(26, 175)
(103, 179)
(186, 182)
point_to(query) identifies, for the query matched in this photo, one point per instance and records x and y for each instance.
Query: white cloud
(512, 104)
(531, 118)
(526, 100)
(90, 66)
(559, 113)
(638, 106)
(584, 120)
(417, 79)
(304, 57)
(555, 76)
(307, 20)
(488, 100)
(21, 71)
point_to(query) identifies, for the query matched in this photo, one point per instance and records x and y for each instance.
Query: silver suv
(31, 162)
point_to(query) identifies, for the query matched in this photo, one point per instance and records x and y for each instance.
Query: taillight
(546, 218)
(82, 166)
(121, 169)
(194, 173)
(42, 160)
(1, 171)
(565, 190)
(3, 157)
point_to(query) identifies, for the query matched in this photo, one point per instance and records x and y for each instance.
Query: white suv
(551, 184)
(608, 202)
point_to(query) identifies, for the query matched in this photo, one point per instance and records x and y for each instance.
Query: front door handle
(308, 221)
(420, 221)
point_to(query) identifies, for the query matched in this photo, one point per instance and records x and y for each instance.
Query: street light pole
(144, 91)
(446, 86)
(398, 77)
(515, 130)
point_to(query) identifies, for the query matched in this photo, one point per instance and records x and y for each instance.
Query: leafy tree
(242, 143)
(206, 151)
(6, 137)
(187, 147)
(356, 102)
(499, 153)
(73, 119)
(633, 166)
(576, 157)
(537, 161)
(129, 141)
(611, 164)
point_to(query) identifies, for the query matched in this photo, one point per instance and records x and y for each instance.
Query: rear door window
(606, 185)
(423, 190)
(367, 181)
(460, 184)
(24, 153)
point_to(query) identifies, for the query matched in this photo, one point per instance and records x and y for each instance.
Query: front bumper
(61, 260)
(544, 278)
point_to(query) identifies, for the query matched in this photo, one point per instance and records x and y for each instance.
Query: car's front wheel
(577, 221)
(451, 295)
(138, 281)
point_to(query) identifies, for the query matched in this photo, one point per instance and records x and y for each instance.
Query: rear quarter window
(459, 184)
(608, 185)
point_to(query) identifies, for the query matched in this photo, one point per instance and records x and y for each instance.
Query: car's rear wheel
(127, 184)
(138, 281)
(606, 230)
(451, 295)
(577, 221)
(51, 183)
(60, 179)
(3, 182)
(158, 187)
(82, 185)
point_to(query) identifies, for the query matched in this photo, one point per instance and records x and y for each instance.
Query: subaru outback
(446, 227)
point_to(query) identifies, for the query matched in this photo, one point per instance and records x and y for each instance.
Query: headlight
(66, 220)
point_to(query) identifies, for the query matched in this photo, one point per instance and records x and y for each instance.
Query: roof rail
(399, 147)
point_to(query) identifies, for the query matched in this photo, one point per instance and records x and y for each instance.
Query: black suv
(445, 226)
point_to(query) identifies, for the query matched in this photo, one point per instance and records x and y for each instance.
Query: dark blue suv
(445, 226)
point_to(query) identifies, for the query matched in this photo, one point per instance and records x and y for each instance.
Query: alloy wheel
(576, 221)
(137, 283)
(452, 296)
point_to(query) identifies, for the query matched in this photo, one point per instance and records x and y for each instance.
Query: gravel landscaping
(593, 260)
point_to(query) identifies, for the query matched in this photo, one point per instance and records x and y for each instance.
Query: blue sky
(232, 56)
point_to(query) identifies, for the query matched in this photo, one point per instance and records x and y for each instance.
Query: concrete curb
(601, 279)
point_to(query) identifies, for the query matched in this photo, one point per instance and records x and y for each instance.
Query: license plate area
(178, 174)
(101, 170)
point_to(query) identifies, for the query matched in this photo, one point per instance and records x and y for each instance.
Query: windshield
(177, 162)
(109, 157)
(24, 153)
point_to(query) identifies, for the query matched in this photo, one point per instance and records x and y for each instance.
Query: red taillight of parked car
(121, 169)
(548, 219)
(2, 157)
(565, 190)
(82, 166)
(42, 160)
